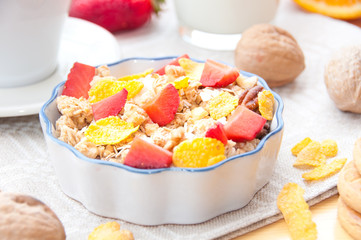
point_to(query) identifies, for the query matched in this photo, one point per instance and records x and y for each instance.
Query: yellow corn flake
(325, 170)
(110, 130)
(215, 160)
(329, 148)
(192, 69)
(222, 105)
(296, 212)
(310, 156)
(198, 153)
(110, 231)
(301, 145)
(107, 87)
(265, 104)
(181, 83)
(136, 76)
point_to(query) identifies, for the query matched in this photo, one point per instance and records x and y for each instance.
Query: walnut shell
(343, 78)
(270, 52)
(26, 218)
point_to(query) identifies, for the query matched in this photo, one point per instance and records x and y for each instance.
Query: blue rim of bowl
(278, 115)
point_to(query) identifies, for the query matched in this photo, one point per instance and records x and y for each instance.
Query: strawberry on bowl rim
(69, 163)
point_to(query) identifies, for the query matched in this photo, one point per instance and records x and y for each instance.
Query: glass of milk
(218, 24)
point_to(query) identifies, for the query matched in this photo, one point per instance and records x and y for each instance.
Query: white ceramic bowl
(159, 196)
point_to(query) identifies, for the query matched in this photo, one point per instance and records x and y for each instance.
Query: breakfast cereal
(325, 170)
(296, 212)
(169, 108)
(110, 231)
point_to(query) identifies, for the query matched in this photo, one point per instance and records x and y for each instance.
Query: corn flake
(325, 170)
(192, 69)
(110, 130)
(329, 148)
(222, 105)
(108, 87)
(215, 160)
(265, 104)
(301, 145)
(181, 83)
(296, 212)
(136, 76)
(310, 156)
(110, 231)
(198, 153)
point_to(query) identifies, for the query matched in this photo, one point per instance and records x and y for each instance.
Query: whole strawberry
(115, 15)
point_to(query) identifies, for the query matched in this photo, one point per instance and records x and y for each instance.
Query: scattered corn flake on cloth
(308, 112)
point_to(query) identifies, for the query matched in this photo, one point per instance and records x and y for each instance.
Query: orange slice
(342, 9)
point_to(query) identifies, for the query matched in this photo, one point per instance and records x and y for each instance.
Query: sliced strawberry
(110, 106)
(217, 132)
(163, 108)
(146, 155)
(77, 85)
(244, 125)
(218, 75)
(175, 62)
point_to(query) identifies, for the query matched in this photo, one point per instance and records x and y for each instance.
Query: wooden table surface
(324, 214)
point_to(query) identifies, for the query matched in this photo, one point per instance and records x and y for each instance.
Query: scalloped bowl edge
(167, 195)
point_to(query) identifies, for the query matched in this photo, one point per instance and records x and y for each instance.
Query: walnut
(271, 53)
(249, 98)
(343, 78)
(24, 217)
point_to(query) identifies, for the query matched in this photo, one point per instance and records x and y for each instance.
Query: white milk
(30, 33)
(225, 17)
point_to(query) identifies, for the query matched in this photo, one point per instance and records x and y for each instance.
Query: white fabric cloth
(308, 112)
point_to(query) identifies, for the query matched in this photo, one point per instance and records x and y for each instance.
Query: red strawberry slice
(115, 15)
(244, 125)
(175, 62)
(110, 106)
(146, 155)
(218, 133)
(77, 85)
(218, 75)
(163, 108)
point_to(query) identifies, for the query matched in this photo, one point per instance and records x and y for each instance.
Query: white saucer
(83, 42)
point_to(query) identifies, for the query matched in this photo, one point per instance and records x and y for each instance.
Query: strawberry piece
(218, 75)
(175, 62)
(244, 125)
(110, 106)
(163, 108)
(77, 85)
(115, 15)
(146, 155)
(218, 133)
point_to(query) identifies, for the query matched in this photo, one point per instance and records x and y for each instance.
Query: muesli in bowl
(168, 140)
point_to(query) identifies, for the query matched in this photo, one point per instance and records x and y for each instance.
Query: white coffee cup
(218, 24)
(30, 34)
